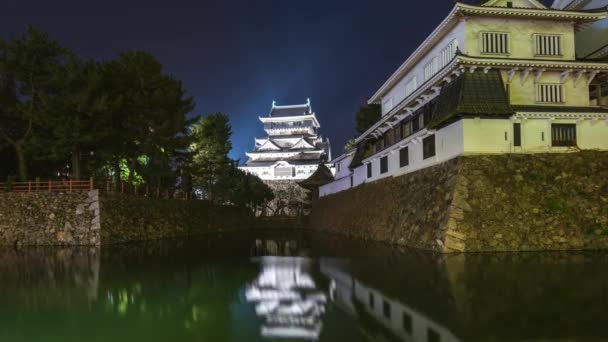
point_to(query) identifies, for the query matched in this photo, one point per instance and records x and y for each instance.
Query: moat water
(297, 287)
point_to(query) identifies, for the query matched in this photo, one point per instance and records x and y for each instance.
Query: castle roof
(291, 110)
(477, 93)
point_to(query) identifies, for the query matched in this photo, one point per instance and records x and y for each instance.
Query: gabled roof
(269, 145)
(476, 93)
(291, 110)
(302, 144)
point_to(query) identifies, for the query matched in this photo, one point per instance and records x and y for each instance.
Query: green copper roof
(477, 93)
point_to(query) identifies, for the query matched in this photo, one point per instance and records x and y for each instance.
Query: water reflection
(382, 318)
(267, 288)
(287, 298)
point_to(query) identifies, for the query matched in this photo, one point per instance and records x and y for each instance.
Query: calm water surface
(297, 287)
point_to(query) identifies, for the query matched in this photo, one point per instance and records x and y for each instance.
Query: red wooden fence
(48, 186)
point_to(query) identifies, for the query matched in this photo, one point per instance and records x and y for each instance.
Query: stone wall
(50, 218)
(481, 203)
(86, 218)
(131, 218)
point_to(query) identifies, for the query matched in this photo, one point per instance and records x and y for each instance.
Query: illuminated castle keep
(494, 77)
(293, 149)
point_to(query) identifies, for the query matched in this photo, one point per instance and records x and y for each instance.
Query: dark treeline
(123, 120)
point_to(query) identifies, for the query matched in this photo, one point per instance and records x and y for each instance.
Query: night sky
(237, 56)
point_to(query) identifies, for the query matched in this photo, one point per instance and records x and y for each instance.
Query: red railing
(48, 186)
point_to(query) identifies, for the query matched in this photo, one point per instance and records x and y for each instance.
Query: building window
(549, 93)
(517, 134)
(404, 157)
(371, 300)
(384, 165)
(428, 147)
(415, 124)
(563, 134)
(548, 45)
(386, 309)
(369, 170)
(411, 86)
(338, 167)
(432, 335)
(406, 129)
(448, 53)
(351, 181)
(421, 121)
(284, 171)
(495, 43)
(431, 68)
(407, 322)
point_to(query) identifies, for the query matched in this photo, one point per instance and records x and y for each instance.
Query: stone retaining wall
(481, 203)
(131, 218)
(50, 218)
(86, 218)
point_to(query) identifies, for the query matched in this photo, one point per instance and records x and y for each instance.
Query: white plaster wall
(487, 135)
(335, 186)
(448, 145)
(575, 93)
(397, 93)
(521, 35)
(344, 170)
(593, 135)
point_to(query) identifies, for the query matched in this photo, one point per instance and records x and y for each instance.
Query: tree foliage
(123, 119)
(367, 116)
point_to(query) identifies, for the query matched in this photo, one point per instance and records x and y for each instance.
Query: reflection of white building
(403, 322)
(293, 149)
(287, 299)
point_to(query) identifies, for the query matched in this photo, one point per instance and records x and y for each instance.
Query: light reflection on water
(297, 287)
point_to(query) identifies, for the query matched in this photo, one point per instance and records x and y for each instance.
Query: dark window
(428, 116)
(415, 126)
(386, 142)
(432, 335)
(371, 300)
(386, 309)
(428, 147)
(563, 135)
(407, 322)
(516, 134)
(369, 170)
(384, 165)
(351, 181)
(406, 129)
(510, 4)
(404, 157)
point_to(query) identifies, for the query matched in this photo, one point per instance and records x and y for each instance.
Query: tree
(350, 145)
(76, 116)
(27, 66)
(210, 147)
(367, 116)
(148, 118)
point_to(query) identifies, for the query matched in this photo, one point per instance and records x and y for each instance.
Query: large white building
(496, 77)
(293, 148)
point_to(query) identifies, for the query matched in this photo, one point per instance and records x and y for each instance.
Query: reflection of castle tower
(287, 299)
(378, 313)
